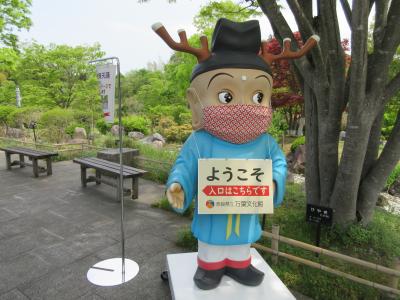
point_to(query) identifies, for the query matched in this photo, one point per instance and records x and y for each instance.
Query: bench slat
(35, 151)
(104, 167)
(29, 152)
(89, 164)
(115, 165)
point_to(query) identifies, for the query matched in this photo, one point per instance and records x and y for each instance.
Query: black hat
(234, 45)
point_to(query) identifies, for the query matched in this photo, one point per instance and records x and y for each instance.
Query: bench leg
(98, 177)
(83, 175)
(35, 167)
(135, 188)
(49, 167)
(8, 160)
(21, 161)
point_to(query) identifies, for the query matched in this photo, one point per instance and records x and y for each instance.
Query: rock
(157, 144)
(158, 137)
(290, 177)
(382, 200)
(299, 179)
(79, 133)
(297, 161)
(342, 135)
(394, 189)
(15, 133)
(115, 130)
(135, 135)
(152, 138)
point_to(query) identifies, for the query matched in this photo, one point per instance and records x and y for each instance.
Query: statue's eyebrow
(265, 77)
(216, 76)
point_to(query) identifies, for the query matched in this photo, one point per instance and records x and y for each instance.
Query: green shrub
(103, 126)
(164, 123)
(278, 126)
(70, 129)
(393, 176)
(22, 117)
(5, 112)
(301, 140)
(135, 123)
(185, 118)
(54, 122)
(84, 119)
(178, 133)
(179, 113)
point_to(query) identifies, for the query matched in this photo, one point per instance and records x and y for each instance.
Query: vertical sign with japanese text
(235, 186)
(106, 76)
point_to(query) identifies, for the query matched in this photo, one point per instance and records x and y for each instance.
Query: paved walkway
(52, 231)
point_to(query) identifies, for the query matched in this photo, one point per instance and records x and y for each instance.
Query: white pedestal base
(182, 267)
(109, 272)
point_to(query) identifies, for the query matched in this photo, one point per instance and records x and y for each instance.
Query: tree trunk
(312, 153)
(377, 176)
(352, 184)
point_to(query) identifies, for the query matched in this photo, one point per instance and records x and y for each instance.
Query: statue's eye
(225, 97)
(258, 97)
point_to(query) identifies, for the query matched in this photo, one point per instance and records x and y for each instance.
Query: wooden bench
(33, 155)
(111, 169)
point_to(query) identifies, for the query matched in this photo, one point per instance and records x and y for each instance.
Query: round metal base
(109, 272)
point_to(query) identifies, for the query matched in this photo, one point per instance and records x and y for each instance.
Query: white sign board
(106, 76)
(235, 186)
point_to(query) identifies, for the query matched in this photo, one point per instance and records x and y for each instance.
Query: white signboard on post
(235, 186)
(106, 76)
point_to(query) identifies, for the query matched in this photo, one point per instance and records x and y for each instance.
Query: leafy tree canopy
(14, 15)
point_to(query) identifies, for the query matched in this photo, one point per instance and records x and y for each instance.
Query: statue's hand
(176, 195)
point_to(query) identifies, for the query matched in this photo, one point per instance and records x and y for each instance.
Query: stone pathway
(52, 231)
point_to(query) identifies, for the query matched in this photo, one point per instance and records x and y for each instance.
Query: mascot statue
(230, 100)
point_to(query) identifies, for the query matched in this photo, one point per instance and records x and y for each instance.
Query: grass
(164, 204)
(157, 162)
(378, 243)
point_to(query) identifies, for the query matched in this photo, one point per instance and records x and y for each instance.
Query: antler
(201, 53)
(286, 52)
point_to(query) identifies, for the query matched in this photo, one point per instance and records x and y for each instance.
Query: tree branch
(359, 54)
(347, 10)
(387, 160)
(306, 29)
(381, 13)
(391, 38)
(334, 55)
(282, 29)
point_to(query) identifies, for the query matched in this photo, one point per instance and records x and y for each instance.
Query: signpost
(235, 186)
(106, 76)
(113, 271)
(319, 215)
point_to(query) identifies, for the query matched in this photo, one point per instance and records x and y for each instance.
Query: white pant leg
(238, 252)
(211, 253)
(215, 253)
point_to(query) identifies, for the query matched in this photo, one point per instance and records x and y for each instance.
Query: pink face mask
(237, 123)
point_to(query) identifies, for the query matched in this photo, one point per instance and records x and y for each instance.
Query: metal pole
(97, 274)
(121, 170)
(121, 167)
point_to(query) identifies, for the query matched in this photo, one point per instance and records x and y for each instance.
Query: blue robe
(211, 229)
